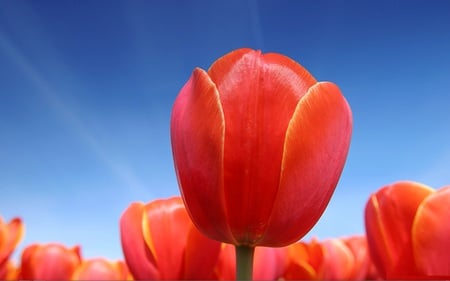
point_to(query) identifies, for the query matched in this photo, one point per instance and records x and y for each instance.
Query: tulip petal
(98, 269)
(163, 219)
(315, 149)
(10, 236)
(140, 260)
(259, 94)
(49, 262)
(389, 216)
(359, 248)
(201, 255)
(197, 131)
(269, 263)
(305, 261)
(431, 234)
(339, 261)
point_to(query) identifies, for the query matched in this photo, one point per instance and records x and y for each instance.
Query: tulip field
(258, 147)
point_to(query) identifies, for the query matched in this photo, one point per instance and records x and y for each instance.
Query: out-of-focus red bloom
(269, 263)
(101, 269)
(407, 231)
(159, 241)
(363, 268)
(51, 261)
(339, 261)
(258, 147)
(344, 258)
(305, 261)
(9, 271)
(11, 234)
(431, 235)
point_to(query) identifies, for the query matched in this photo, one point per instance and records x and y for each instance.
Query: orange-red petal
(101, 269)
(49, 262)
(201, 255)
(11, 234)
(165, 224)
(339, 261)
(140, 260)
(431, 235)
(197, 132)
(259, 94)
(389, 215)
(315, 149)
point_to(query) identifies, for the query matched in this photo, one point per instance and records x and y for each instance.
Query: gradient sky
(87, 87)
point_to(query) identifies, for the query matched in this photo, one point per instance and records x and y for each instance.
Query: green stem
(244, 262)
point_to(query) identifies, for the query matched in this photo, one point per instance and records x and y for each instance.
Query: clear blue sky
(86, 90)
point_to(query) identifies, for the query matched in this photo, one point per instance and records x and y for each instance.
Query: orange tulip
(431, 235)
(305, 261)
(101, 269)
(49, 262)
(159, 241)
(269, 263)
(407, 231)
(258, 147)
(339, 261)
(363, 266)
(332, 259)
(10, 235)
(9, 271)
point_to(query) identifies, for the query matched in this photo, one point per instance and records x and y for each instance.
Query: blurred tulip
(407, 231)
(9, 271)
(159, 241)
(431, 235)
(258, 146)
(101, 269)
(339, 262)
(363, 268)
(305, 261)
(49, 262)
(344, 258)
(269, 263)
(11, 234)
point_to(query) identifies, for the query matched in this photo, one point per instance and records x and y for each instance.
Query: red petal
(358, 246)
(98, 269)
(269, 263)
(10, 236)
(165, 225)
(201, 255)
(389, 215)
(305, 261)
(431, 234)
(197, 131)
(49, 262)
(315, 149)
(140, 260)
(259, 94)
(339, 261)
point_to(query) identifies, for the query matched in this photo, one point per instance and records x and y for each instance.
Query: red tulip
(159, 241)
(305, 261)
(258, 147)
(407, 231)
(269, 264)
(101, 269)
(10, 235)
(339, 261)
(9, 271)
(431, 235)
(363, 266)
(49, 262)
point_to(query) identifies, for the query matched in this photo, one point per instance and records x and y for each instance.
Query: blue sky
(86, 90)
